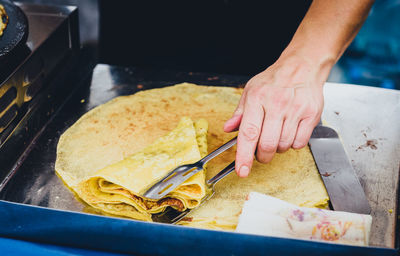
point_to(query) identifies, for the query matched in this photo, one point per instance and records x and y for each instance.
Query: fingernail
(230, 121)
(297, 145)
(244, 171)
(284, 144)
(226, 125)
(236, 114)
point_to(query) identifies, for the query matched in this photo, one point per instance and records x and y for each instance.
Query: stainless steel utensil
(181, 173)
(171, 215)
(341, 182)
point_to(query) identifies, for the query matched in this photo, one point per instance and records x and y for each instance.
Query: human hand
(279, 109)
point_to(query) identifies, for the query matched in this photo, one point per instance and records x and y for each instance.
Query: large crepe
(125, 125)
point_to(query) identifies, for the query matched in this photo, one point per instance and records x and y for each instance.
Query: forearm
(280, 106)
(326, 31)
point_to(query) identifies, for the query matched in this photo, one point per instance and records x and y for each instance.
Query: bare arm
(281, 106)
(327, 30)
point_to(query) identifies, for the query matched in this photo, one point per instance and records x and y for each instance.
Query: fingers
(233, 123)
(273, 119)
(269, 138)
(310, 114)
(288, 134)
(248, 136)
(304, 130)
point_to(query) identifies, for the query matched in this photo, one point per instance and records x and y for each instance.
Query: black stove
(52, 40)
(32, 89)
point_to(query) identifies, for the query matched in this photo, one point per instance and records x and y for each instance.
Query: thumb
(234, 122)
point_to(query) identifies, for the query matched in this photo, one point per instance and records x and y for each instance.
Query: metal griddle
(33, 182)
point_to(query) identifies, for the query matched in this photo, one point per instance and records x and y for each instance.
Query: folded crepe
(266, 215)
(117, 188)
(126, 125)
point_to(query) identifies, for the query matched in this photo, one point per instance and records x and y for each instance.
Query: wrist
(316, 62)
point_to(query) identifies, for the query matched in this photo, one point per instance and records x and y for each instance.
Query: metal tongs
(179, 175)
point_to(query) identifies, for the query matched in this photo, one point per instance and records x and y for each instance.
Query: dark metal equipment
(13, 41)
(52, 52)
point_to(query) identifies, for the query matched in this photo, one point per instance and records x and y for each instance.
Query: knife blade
(341, 182)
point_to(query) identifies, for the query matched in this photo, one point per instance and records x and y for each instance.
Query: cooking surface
(367, 119)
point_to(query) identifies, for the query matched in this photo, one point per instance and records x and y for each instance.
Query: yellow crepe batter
(127, 125)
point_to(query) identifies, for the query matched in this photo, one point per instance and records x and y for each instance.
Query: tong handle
(218, 151)
(219, 176)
